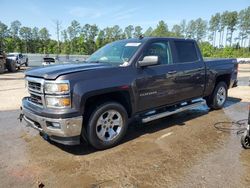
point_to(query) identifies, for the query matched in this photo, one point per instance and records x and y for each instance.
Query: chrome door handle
(172, 72)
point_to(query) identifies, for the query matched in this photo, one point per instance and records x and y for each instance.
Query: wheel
(11, 65)
(107, 125)
(245, 141)
(27, 62)
(219, 96)
(2, 68)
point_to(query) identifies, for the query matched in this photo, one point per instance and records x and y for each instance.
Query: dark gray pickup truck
(143, 79)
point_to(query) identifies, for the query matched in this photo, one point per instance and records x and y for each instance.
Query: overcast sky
(42, 13)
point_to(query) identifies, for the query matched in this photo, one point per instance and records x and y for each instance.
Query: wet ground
(184, 150)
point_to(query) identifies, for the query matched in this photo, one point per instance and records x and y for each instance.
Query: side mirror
(148, 60)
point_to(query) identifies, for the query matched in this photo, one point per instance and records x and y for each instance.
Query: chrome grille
(35, 88)
(36, 99)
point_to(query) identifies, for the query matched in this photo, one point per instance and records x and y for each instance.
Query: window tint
(186, 51)
(160, 49)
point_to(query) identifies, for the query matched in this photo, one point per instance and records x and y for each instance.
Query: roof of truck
(144, 39)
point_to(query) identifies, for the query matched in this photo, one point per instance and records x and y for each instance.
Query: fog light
(56, 125)
(53, 125)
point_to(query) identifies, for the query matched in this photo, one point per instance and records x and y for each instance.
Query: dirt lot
(184, 150)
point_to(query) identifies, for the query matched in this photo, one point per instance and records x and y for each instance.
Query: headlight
(58, 102)
(57, 88)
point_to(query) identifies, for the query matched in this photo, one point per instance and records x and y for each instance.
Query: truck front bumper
(65, 131)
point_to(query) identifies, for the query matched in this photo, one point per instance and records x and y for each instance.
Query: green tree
(223, 24)
(138, 31)
(26, 36)
(3, 33)
(232, 22)
(161, 29)
(73, 31)
(148, 32)
(201, 29)
(183, 26)
(89, 33)
(44, 37)
(35, 40)
(100, 41)
(14, 28)
(214, 25)
(244, 26)
(129, 31)
(191, 29)
(176, 30)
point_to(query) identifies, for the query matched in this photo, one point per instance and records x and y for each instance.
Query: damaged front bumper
(65, 131)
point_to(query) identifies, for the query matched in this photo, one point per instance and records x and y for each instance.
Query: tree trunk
(214, 38)
(226, 38)
(231, 38)
(222, 38)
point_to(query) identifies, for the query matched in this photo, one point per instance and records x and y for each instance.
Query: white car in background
(20, 59)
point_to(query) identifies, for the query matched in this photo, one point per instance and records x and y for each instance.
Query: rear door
(188, 72)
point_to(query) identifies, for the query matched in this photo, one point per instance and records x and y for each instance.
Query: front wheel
(219, 96)
(107, 125)
(2, 67)
(11, 65)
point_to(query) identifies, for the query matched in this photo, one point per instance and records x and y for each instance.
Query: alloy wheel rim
(109, 125)
(221, 95)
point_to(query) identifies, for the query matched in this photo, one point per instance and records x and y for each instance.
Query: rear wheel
(219, 96)
(245, 141)
(27, 62)
(107, 125)
(11, 65)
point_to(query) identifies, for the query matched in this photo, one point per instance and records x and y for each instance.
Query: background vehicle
(2, 61)
(145, 79)
(48, 61)
(21, 60)
(6, 63)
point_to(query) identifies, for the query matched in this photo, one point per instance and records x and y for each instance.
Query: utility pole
(58, 29)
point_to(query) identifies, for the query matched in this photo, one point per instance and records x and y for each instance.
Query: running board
(177, 110)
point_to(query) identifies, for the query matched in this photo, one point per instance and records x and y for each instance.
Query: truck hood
(53, 71)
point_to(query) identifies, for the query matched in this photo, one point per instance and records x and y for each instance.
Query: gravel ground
(184, 150)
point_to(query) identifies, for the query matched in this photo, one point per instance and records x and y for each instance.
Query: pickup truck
(19, 59)
(132, 79)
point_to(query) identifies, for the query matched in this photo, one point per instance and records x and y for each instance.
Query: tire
(101, 125)
(218, 98)
(11, 65)
(245, 141)
(2, 67)
(27, 63)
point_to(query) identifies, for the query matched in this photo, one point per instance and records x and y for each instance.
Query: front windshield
(118, 53)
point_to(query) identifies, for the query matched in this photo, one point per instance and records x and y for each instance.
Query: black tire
(245, 141)
(11, 65)
(2, 67)
(92, 126)
(212, 101)
(27, 62)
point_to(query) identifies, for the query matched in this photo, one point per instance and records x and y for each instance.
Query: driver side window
(160, 49)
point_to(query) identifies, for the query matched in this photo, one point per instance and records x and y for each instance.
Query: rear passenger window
(186, 51)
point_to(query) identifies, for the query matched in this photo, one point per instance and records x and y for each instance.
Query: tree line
(226, 34)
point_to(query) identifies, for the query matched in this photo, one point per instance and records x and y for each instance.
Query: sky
(44, 13)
